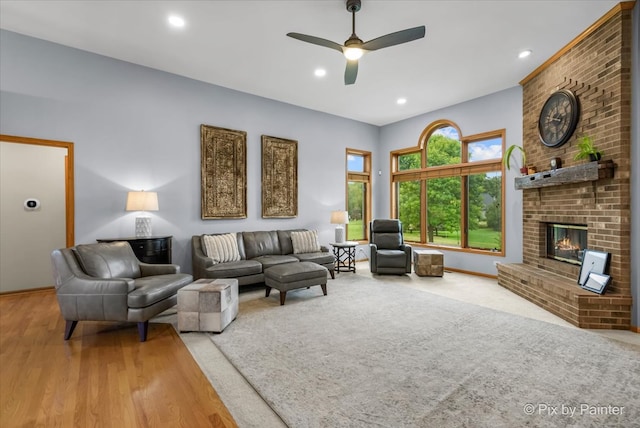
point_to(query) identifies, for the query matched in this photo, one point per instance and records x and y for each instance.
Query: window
(448, 191)
(358, 194)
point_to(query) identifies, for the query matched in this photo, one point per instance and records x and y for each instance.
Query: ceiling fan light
(524, 53)
(353, 53)
(176, 21)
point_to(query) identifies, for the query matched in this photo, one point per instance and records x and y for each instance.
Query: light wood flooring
(103, 376)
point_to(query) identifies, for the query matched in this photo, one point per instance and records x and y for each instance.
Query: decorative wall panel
(223, 172)
(279, 177)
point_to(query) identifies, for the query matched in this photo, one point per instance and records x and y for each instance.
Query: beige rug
(373, 352)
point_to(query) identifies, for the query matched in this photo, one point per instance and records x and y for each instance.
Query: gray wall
(635, 169)
(502, 110)
(138, 128)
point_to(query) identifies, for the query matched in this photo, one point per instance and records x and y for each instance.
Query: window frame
(360, 177)
(464, 169)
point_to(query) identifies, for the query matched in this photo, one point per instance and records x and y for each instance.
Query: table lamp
(142, 201)
(340, 218)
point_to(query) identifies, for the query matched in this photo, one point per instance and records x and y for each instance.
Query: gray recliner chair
(389, 253)
(106, 282)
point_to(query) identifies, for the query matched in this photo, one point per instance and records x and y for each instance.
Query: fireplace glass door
(566, 242)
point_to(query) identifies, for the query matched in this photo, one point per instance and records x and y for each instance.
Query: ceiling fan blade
(351, 72)
(396, 38)
(316, 41)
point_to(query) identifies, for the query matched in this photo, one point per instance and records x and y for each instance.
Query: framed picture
(279, 177)
(592, 261)
(223, 169)
(597, 282)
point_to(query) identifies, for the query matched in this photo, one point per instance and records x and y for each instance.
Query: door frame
(69, 178)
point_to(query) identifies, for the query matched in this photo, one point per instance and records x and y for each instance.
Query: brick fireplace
(596, 67)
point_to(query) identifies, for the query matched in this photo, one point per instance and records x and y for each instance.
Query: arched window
(448, 190)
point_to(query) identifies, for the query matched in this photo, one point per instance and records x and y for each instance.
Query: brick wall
(598, 70)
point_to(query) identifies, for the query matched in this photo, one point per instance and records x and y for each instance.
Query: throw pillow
(221, 248)
(305, 242)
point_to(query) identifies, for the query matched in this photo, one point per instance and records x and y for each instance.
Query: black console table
(150, 249)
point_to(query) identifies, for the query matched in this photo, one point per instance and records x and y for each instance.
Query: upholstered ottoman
(207, 305)
(428, 262)
(290, 276)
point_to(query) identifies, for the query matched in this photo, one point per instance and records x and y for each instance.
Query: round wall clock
(558, 118)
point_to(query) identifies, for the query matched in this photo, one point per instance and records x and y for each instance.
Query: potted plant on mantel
(586, 149)
(507, 157)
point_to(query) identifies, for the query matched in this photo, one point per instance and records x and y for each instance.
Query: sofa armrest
(95, 299)
(373, 258)
(199, 261)
(98, 286)
(148, 269)
(71, 279)
(407, 250)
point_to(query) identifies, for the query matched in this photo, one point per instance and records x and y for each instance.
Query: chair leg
(283, 296)
(267, 291)
(142, 330)
(333, 274)
(68, 329)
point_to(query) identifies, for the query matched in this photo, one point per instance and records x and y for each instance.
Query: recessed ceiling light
(320, 72)
(176, 21)
(401, 101)
(524, 53)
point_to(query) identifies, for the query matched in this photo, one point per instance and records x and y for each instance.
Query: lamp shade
(339, 217)
(142, 201)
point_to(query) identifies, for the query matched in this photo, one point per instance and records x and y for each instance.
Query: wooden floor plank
(103, 376)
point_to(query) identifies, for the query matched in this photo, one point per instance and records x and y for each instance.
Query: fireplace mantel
(590, 171)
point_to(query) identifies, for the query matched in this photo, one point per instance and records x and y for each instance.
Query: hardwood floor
(103, 376)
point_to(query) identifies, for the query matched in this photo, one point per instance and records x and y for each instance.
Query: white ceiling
(470, 50)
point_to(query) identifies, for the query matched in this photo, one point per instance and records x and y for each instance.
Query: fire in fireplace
(566, 242)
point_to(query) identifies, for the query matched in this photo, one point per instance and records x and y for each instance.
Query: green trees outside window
(356, 197)
(358, 194)
(455, 199)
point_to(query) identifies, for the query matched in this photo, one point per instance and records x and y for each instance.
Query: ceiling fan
(354, 47)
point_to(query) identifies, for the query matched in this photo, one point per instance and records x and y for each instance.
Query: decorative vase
(595, 156)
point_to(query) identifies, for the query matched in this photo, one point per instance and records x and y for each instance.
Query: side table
(345, 253)
(150, 249)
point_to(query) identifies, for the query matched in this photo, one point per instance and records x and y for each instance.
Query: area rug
(381, 354)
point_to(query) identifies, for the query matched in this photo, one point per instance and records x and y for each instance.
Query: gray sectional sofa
(258, 252)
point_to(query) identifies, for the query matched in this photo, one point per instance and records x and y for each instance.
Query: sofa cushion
(108, 260)
(321, 258)
(235, 269)
(271, 260)
(261, 244)
(221, 248)
(305, 242)
(284, 236)
(392, 258)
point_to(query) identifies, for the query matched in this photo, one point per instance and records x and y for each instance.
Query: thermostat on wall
(31, 204)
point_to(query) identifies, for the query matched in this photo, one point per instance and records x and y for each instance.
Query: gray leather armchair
(106, 282)
(389, 253)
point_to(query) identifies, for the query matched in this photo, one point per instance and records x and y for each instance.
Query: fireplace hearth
(566, 242)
